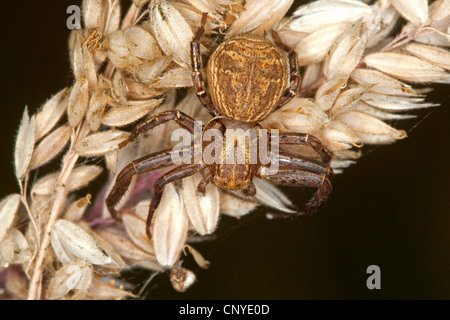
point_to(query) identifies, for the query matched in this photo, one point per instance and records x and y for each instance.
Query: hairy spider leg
(288, 138)
(179, 117)
(145, 164)
(197, 75)
(298, 172)
(175, 174)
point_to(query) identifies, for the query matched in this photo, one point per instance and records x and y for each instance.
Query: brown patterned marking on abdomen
(247, 76)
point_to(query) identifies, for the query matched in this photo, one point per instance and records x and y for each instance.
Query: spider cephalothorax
(248, 77)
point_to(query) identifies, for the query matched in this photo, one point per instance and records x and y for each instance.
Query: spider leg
(202, 185)
(179, 117)
(175, 174)
(313, 142)
(251, 190)
(197, 76)
(145, 164)
(298, 172)
(294, 79)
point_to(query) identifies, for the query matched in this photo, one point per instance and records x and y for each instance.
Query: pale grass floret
(357, 74)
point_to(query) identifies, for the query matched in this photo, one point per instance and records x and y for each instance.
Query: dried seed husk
(76, 55)
(349, 97)
(76, 209)
(50, 146)
(100, 143)
(78, 243)
(316, 15)
(6, 251)
(380, 114)
(315, 47)
(415, 11)
(8, 209)
(259, 16)
(439, 10)
(97, 105)
(121, 116)
(79, 178)
(23, 150)
(405, 67)
(104, 291)
(269, 195)
(234, 206)
(298, 115)
(136, 231)
(199, 259)
(22, 250)
(385, 22)
(125, 247)
(120, 88)
(203, 210)
(339, 132)
(76, 275)
(149, 71)
(395, 103)
(143, 45)
(93, 14)
(382, 83)
(50, 113)
(328, 92)
(346, 53)
(437, 56)
(172, 31)
(175, 78)
(169, 227)
(78, 101)
(370, 129)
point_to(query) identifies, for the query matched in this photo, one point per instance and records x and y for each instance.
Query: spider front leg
(299, 138)
(300, 173)
(179, 117)
(176, 174)
(197, 76)
(142, 165)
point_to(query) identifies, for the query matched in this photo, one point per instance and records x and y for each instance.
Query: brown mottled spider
(248, 78)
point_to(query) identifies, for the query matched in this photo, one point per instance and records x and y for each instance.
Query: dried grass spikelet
(415, 11)
(76, 209)
(50, 146)
(75, 276)
(319, 14)
(202, 210)
(405, 67)
(98, 14)
(8, 209)
(172, 31)
(50, 113)
(169, 227)
(259, 16)
(23, 150)
(79, 178)
(100, 143)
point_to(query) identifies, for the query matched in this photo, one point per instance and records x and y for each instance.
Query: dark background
(391, 209)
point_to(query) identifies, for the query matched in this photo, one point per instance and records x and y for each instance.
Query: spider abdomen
(247, 76)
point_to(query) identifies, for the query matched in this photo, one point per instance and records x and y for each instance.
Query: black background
(391, 209)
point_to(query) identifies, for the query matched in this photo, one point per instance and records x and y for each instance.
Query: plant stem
(69, 161)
